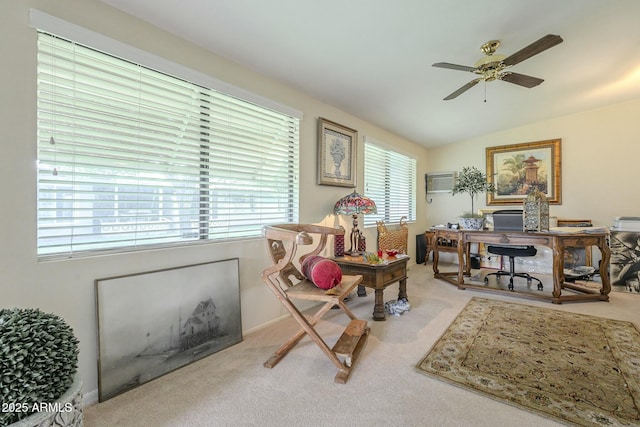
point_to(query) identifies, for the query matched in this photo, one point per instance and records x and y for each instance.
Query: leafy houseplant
(472, 181)
(38, 361)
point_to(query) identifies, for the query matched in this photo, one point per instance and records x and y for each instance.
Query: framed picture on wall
(515, 170)
(337, 150)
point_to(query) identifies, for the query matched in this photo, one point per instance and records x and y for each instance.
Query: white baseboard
(90, 398)
(264, 325)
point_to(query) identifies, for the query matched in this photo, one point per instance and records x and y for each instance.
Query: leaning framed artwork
(337, 149)
(154, 322)
(517, 169)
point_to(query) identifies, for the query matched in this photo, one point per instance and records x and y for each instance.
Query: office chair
(511, 220)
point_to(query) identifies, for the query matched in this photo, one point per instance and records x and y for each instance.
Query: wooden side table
(377, 277)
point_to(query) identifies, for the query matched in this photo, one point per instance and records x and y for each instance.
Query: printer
(626, 223)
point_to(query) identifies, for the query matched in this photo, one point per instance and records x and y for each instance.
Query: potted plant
(472, 181)
(39, 383)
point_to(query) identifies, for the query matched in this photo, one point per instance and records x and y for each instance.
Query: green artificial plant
(472, 181)
(38, 360)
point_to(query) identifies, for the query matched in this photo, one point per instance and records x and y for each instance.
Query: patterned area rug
(579, 369)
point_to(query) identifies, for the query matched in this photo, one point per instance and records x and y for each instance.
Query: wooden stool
(282, 242)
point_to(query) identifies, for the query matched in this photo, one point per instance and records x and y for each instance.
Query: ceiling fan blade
(546, 42)
(463, 89)
(521, 79)
(454, 66)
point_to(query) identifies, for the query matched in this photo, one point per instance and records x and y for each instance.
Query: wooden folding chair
(282, 241)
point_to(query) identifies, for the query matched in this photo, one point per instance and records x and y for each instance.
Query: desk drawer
(393, 275)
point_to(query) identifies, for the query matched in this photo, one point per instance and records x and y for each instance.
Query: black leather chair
(511, 220)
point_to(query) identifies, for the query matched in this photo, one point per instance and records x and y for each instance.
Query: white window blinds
(129, 156)
(390, 181)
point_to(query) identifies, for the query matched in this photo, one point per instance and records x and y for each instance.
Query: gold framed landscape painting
(337, 148)
(515, 170)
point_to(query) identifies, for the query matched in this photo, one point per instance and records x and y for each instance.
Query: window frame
(49, 24)
(380, 180)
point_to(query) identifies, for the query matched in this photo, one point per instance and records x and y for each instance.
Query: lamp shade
(354, 204)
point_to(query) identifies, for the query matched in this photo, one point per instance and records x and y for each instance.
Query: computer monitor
(508, 220)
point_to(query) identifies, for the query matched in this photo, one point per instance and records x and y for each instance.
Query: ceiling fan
(493, 66)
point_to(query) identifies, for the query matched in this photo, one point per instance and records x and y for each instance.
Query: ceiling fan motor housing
(489, 66)
(492, 66)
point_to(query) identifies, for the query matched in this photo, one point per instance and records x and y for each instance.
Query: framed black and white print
(154, 322)
(337, 149)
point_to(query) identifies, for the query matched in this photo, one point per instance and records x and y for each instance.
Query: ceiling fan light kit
(493, 66)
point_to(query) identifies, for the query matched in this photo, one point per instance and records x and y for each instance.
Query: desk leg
(558, 274)
(604, 267)
(467, 259)
(461, 266)
(426, 258)
(378, 306)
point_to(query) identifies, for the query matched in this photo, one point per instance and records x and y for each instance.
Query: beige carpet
(232, 388)
(577, 368)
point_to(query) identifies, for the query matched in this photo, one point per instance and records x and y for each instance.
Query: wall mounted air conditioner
(440, 182)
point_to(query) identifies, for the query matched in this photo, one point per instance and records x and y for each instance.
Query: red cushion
(323, 272)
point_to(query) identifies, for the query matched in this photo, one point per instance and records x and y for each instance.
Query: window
(129, 157)
(390, 181)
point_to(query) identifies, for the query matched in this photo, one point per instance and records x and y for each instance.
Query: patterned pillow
(323, 272)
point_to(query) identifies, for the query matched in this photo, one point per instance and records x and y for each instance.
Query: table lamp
(354, 204)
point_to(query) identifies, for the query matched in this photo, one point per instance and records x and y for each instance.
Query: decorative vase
(64, 412)
(362, 244)
(338, 244)
(471, 223)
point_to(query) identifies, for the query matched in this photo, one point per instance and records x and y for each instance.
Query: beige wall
(67, 287)
(600, 152)
(599, 148)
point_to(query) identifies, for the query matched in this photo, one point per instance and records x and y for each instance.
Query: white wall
(600, 152)
(67, 287)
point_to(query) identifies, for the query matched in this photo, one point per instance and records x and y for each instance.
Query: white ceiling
(373, 58)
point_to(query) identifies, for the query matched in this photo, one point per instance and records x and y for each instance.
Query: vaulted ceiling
(373, 58)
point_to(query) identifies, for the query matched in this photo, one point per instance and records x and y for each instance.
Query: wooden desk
(556, 241)
(377, 277)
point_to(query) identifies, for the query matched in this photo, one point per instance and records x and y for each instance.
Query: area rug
(578, 369)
